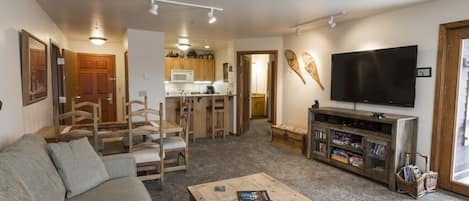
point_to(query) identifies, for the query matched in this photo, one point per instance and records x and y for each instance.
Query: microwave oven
(182, 75)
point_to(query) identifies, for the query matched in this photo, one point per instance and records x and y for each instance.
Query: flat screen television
(384, 76)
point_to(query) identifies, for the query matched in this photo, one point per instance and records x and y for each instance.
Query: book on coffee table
(253, 196)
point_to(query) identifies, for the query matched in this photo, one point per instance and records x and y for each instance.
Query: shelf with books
(347, 158)
(347, 141)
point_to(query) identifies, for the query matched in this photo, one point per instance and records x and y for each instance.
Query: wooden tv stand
(360, 143)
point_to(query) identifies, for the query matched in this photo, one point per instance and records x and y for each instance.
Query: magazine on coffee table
(253, 196)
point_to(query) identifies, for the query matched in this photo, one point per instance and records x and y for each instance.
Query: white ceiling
(240, 19)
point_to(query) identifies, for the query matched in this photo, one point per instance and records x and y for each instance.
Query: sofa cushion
(12, 188)
(29, 159)
(79, 165)
(121, 189)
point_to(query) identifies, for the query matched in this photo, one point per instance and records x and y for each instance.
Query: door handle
(77, 97)
(110, 99)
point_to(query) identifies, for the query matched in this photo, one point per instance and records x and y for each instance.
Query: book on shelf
(340, 156)
(319, 134)
(253, 196)
(378, 150)
(320, 147)
(356, 161)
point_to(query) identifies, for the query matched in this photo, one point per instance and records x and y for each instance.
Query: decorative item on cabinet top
(292, 61)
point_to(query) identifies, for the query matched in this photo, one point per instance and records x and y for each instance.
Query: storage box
(289, 138)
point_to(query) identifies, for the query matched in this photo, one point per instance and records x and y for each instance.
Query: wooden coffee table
(277, 191)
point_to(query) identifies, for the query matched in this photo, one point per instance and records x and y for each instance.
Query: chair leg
(213, 124)
(186, 158)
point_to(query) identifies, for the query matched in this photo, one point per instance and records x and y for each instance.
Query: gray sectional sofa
(27, 173)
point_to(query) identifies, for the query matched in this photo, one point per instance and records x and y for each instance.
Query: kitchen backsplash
(198, 87)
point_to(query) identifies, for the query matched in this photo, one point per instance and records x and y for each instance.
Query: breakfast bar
(202, 111)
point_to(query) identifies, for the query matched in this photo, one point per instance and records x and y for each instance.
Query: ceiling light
(207, 47)
(183, 47)
(298, 30)
(183, 44)
(154, 8)
(97, 40)
(211, 18)
(331, 22)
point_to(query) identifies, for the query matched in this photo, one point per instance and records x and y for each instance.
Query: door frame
(57, 80)
(440, 100)
(246, 78)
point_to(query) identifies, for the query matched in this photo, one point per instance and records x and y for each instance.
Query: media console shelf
(360, 143)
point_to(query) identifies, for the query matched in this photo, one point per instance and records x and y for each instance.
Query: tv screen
(385, 76)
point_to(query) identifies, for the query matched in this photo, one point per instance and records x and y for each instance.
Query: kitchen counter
(200, 112)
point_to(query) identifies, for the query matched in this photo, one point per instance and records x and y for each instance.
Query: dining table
(114, 129)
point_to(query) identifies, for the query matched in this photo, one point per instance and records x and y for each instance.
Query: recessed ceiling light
(97, 40)
(207, 47)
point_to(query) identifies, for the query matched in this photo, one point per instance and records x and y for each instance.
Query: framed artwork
(424, 72)
(33, 68)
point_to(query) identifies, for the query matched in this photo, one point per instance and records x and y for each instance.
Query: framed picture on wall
(33, 68)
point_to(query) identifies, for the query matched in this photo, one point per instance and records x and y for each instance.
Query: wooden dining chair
(149, 155)
(179, 144)
(85, 106)
(75, 131)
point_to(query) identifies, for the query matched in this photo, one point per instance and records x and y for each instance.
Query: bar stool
(216, 116)
(188, 105)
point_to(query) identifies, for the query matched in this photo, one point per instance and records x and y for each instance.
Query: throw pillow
(79, 165)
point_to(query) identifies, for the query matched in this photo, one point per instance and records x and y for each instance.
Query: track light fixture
(331, 22)
(298, 30)
(211, 17)
(154, 8)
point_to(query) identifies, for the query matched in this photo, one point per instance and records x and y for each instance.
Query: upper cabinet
(204, 69)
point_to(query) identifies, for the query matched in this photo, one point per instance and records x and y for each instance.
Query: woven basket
(424, 184)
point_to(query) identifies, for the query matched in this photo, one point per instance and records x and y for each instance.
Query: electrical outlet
(142, 93)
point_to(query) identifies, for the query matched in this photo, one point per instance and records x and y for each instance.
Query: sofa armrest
(121, 165)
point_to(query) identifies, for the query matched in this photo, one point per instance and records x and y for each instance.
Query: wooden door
(450, 89)
(71, 77)
(96, 81)
(243, 91)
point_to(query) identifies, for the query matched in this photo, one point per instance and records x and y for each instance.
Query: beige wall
(408, 26)
(146, 65)
(16, 119)
(257, 44)
(115, 48)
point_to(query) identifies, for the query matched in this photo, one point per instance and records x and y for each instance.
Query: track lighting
(331, 22)
(154, 8)
(211, 18)
(298, 30)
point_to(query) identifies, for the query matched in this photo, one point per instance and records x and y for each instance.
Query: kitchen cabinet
(204, 69)
(258, 105)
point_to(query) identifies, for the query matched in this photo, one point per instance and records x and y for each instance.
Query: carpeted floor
(212, 160)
